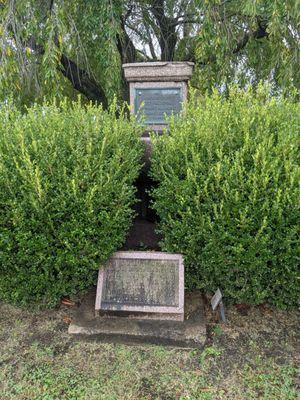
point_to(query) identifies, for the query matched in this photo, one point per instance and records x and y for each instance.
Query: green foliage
(230, 42)
(228, 195)
(66, 196)
(247, 42)
(210, 351)
(33, 37)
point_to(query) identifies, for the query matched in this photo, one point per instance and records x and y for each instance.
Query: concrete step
(191, 333)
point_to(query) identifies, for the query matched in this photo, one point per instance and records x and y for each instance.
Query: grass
(253, 357)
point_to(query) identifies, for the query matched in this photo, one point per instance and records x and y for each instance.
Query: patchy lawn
(253, 357)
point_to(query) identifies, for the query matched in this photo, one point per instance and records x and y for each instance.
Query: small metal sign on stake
(217, 301)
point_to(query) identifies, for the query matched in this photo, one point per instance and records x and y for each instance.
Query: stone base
(191, 333)
(139, 315)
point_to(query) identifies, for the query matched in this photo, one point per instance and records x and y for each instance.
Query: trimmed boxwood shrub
(66, 194)
(228, 195)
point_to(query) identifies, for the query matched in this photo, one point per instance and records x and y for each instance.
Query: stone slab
(158, 71)
(144, 284)
(191, 333)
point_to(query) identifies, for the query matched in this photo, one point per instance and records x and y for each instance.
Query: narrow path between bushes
(142, 234)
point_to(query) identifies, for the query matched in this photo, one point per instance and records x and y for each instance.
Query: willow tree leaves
(50, 47)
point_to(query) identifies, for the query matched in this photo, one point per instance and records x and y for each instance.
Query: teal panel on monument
(155, 103)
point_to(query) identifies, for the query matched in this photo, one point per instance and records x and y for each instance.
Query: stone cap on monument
(158, 71)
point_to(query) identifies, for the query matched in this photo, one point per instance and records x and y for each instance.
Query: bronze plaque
(157, 103)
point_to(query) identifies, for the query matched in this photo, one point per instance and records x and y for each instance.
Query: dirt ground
(254, 356)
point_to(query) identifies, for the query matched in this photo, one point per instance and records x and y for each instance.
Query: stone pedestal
(161, 86)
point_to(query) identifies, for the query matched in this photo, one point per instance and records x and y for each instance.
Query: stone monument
(157, 89)
(144, 284)
(140, 294)
(148, 285)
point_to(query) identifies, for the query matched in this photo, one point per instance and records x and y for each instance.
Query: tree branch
(150, 42)
(152, 30)
(51, 6)
(259, 33)
(128, 54)
(78, 77)
(144, 55)
(168, 37)
(82, 82)
(125, 45)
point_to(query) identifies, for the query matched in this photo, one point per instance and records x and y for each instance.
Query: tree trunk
(82, 82)
(128, 54)
(168, 37)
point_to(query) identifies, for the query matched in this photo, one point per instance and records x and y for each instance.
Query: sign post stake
(217, 301)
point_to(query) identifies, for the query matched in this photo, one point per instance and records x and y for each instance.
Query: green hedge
(228, 195)
(66, 197)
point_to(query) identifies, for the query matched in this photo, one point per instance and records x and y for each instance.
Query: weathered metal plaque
(155, 103)
(215, 300)
(142, 282)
